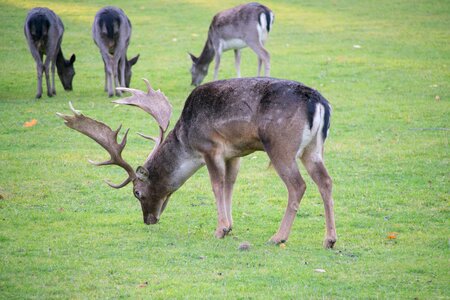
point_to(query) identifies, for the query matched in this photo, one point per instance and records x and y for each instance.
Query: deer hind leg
(47, 76)
(232, 169)
(217, 55)
(106, 75)
(53, 66)
(237, 62)
(217, 170)
(39, 71)
(287, 169)
(263, 57)
(316, 169)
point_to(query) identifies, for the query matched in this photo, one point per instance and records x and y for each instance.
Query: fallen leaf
(392, 235)
(144, 284)
(30, 123)
(283, 246)
(357, 46)
(437, 98)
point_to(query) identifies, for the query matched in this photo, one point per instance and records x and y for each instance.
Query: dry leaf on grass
(392, 235)
(30, 123)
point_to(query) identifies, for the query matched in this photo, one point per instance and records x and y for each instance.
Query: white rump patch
(262, 29)
(313, 135)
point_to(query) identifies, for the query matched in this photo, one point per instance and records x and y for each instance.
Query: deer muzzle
(150, 219)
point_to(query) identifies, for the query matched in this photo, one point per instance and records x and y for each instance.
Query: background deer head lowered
(221, 122)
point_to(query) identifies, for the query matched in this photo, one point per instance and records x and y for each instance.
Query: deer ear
(142, 173)
(73, 58)
(134, 60)
(194, 59)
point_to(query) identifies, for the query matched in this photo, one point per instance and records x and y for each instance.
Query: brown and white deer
(221, 122)
(246, 25)
(44, 32)
(111, 32)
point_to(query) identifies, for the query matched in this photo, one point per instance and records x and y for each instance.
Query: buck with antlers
(235, 28)
(112, 32)
(44, 32)
(221, 122)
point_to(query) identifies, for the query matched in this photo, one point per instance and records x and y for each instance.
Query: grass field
(383, 65)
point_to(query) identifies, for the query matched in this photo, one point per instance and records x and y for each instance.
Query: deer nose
(150, 219)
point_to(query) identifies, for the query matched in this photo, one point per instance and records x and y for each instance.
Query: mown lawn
(383, 65)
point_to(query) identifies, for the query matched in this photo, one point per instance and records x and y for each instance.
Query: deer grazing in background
(111, 32)
(44, 32)
(221, 122)
(235, 28)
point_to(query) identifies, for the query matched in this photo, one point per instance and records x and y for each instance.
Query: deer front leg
(216, 168)
(232, 169)
(319, 174)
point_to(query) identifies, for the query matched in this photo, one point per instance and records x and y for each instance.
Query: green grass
(65, 234)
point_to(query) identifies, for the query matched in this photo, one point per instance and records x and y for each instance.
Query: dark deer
(221, 122)
(235, 28)
(112, 32)
(44, 32)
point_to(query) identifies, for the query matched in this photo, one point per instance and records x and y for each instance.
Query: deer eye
(137, 194)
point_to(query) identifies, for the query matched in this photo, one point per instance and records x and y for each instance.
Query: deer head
(153, 198)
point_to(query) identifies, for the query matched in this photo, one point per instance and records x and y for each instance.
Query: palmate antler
(153, 102)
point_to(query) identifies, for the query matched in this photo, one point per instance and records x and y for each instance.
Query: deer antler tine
(149, 87)
(118, 130)
(105, 163)
(130, 90)
(118, 186)
(147, 137)
(124, 139)
(76, 112)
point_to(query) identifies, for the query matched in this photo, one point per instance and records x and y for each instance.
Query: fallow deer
(235, 28)
(111, 32)
(44, 32)
(221, 122)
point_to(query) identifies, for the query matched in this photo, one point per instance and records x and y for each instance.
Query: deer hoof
(221, 232)
(328, 243)
(277, 240)
(38, 96)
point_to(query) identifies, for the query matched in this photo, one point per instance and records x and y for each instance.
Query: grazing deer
(235, 28)
(44, 32)
(111, 32)
(221, 122)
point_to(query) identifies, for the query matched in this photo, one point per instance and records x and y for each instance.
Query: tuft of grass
(384, 66)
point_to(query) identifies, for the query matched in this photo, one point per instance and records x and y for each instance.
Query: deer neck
(60, 61)
(173, 164)
(207, 54)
